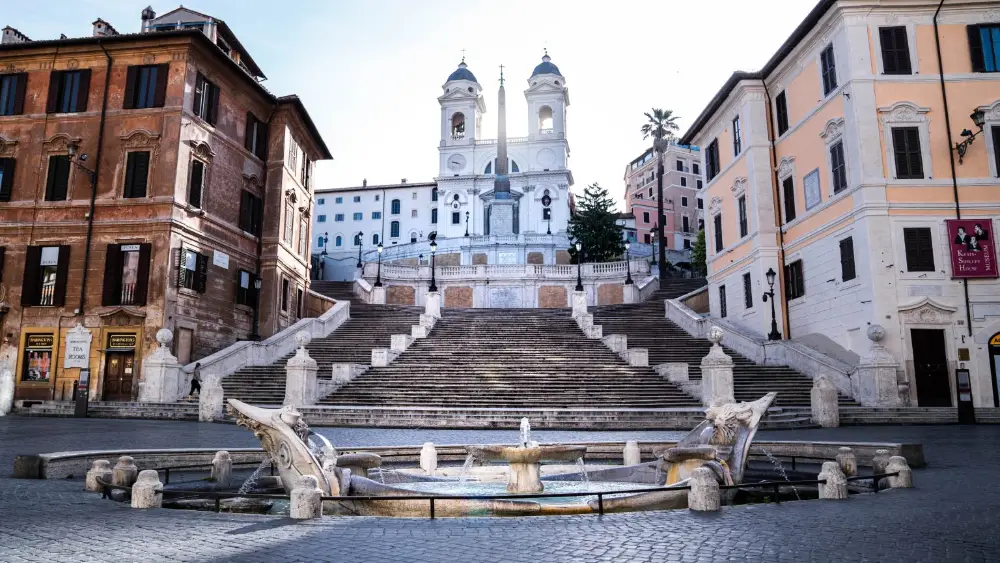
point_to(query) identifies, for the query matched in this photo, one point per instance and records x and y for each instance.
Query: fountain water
(781, 469)
(583, 469)
(251, 482)
(525, 459)
(463, 475)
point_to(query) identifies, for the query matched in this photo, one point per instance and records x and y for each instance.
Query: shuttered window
(196, 184)
(6, 178)
(906, 148)
(145, 86)
(722, 301)
(251, 211)
(996, 148)
(984, 46)
(206, 99)
(712, 166)
(192, 270)
(919, 249)
(795, 285)
(895, 50)
(744, 224)
(246, 293)
(717, 227)
(68, 91)
(829, 68)
(284, 295)
(12, 88)
(46, 269)
(57, 180)
(847, 269)
(838, 166)
(255, 137)
(126, 274)
(747, 291)
(788, 187)
(136, 174)
(781, 109)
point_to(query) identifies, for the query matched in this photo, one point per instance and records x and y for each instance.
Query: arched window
(513, 167)
(320, 243)
(357, 239)
(413, 236)
(545, 119)
(458, 126)
(375, 239)
(340, 240)
(395, 207)
(394, 229)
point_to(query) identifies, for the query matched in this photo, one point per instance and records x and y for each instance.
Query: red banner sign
(973, 254)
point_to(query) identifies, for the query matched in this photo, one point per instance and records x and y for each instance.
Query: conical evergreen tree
(595, 226)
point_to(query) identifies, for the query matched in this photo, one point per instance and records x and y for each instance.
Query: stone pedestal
(875, 382)
(585, 320)
(427, 320)
(344, 373)
(825, 403)
(382, 357)
(847, 461)
(631, 454)
(704, 494)
(502, 217)
(6, 391)
(378, 295)
(222, 470)
(716, 373)
(630, 293)
(125, 472)
(147, 492)
(305, 500)
(674, 372)
(897, 464)
(636, 357)
(300, 375)
(525, 478)
(880, 461)
(210, 398)
(579, 303)
(428, 458)
(100, 471)
(400, 342)
(163, 381)
(432, 305)
(617, 343)
(419, 331)
(594, 332)
(835, 487)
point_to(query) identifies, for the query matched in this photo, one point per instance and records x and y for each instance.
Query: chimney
(148, 15)
(11, 35)
(364, 183)
(403, 181)
(103, 28)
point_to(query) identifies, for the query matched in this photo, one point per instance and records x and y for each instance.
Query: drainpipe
(778, 213)
(93, 184)
(951, 153)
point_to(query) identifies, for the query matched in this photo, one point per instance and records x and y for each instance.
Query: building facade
(682, 185)
(136, 171)
(838, 167)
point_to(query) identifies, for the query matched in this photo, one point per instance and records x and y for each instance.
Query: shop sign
(39, 341)
(970, 244)
(130, 248)
(77, 348)
(121, 341)
(995, 341)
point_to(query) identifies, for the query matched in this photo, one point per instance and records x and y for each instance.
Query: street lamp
(361, 241)
(774, 334)
(628, 264)
(326, 240)
(378, 275)
(579, 266)
(434, 247)
(466, 223)
(653, 263)
(978, 119)
(255, 333)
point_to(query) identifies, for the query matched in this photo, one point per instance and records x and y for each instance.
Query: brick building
(146, 181)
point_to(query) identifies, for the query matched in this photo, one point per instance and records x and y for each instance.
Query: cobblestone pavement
(952, 515)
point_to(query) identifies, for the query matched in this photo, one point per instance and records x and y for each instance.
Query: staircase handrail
(647, 288)
(363, 290)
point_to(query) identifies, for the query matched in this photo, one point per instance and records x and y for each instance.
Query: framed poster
(970, 244)
(811, 187)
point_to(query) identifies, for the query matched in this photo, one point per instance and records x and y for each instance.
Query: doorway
(930, 366)
(119, 368)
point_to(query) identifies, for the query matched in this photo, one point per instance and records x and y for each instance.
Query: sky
(370, 71)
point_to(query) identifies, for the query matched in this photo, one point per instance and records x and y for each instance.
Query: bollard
(125, 472)
(305, 499)
(704, 494)
(847, 461)
(147, 492)
(879, 461)
(631, 454)
(428, 458)
(101, 470)
(222, 469)
(897, 464)
(835, 487)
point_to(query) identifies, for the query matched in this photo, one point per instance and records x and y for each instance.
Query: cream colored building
(841, 178)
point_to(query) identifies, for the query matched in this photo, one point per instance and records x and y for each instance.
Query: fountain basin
(535, 454)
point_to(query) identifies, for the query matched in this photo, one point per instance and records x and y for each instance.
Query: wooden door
(119, 370)
(930, 366)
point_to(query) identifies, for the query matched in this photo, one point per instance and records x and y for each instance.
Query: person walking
(195, 380)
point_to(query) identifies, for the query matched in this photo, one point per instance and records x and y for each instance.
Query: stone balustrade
(589, 272)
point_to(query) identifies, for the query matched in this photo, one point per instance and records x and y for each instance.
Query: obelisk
(502, 208)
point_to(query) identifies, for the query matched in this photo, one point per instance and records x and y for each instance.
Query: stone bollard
(825, 402)
(400, 342)
(6, 391)
(704, 494)
(716, 373)
(897, 464)
(147, 492)
(879, 461)
(125, 472)
(101, 470)
(579, 303)
(305, 499)
(847, 461)
(222, 469)
(631, 454)
(428, 458)
(836, 482)
(301, 386)
(210, 398)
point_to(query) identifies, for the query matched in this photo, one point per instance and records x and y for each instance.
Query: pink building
(682, 206)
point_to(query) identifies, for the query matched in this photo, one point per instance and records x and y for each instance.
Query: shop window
(38, 358)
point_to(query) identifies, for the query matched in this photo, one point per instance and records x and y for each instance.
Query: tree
(660, 126)
(698, 265)
(595, 225)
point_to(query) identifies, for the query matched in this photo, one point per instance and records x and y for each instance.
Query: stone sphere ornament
(715, 335)
(876, 333)
(164, 336)
(303, 338)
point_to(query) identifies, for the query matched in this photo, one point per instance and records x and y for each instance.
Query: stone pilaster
(825, 403)
(630, 293)
(162, 378)
(875, 383)
(300, 375)
(716, 373)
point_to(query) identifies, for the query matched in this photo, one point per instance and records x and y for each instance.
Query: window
(357, 199)
(747, 291)
(145, 86)
(829, 69)
(680, 166)
(701, 224)
(320, 201)
(413, 237)
(434, 194)
(395, 206)
(645, 217)
(413, 195)
(321, 219)
(339, 217)
(357, 239)
(288, 232)
(376, 214)
(687, 244)
(68, 90)
(742, 204)
(701, 202)
(394, 229)
(413, 213)
(378, 197)
(298, 303)
(375, 239)
(434, 216)
(196, 184)
(126, 274)
(45, 273)
(996, 151)
(650, 192)
(684, 181)
(245, 291)
(646, 238)
(206, 99)
(699, 184)
(339, 240)
(251, 213)
(6, 178)
(781, 109)
(255, 138)
(695, 169)
(455, 218)
(136, 174)
(838, 166)
(57, 182)
(684, 202)
(795, 285)
(685, 225)
(984, 44)
(284, 295)
(847, 270)
(906, 147)
(895, 50)
(303, 238)
(12, 87)
(722, 301)
(737, 137)
(339, 200)
(717, 227)
(788, 187)
(712, 160)
(192, 271)
(359, 216)
(919, 252)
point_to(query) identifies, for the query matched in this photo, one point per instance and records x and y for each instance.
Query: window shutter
(112, 294)
(50, 182)
(201, 278)
(32, 265)
(62, 272)
(140, 180)
(213, 103)
(7, 185)
(789, 188)
(130, 78)
(130, 175)
(913, 152)
(847, 269)
(262, 141)
(258, 215)
(181, 271)
(976, 49)
(248, 135)
(84, 91)
(197, 181)
(142, 276)
(910, 242)
(199, 92)
(55, 80)
(899, 151)
(162, 73)
(926, 249)
(887, 38)
(20, 87)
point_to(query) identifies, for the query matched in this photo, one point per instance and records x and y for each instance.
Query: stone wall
(562, 257)
(697, 302)
(610, 294)
(480, 258)
(552, 297)
(536, 258)
(458, 297)
(317, 304)
(400, 295)
(452, 259)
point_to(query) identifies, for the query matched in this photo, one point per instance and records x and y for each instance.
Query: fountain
(525, 459)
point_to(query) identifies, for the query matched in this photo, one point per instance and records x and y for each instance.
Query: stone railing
(247, 353)
(510, 141)
(607, 270)
(363, 290)
(646, 288)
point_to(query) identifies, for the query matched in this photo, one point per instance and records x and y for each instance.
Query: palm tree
(660, 125)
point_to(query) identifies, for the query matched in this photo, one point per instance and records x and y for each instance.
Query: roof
(296, 102)
(227, 34)
(546, 67)
(786, 48)
(462, 73)
(371, 187)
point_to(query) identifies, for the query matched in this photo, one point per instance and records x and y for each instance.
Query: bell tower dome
(547, 98)
(462, 107)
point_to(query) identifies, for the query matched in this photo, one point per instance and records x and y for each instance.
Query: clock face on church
(456, 162)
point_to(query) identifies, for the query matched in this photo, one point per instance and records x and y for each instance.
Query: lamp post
(466, 223)
(978, 119)
(434, 247)
(378, 275)
(255, 333)
(628, 264)
(653, 263)
(548, 225)
(326, 241)
(579, 266)
(774, 334)
(361, 241)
